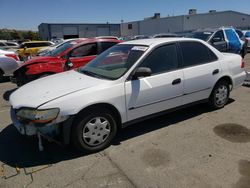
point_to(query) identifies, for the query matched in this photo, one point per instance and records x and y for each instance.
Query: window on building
(130, 26)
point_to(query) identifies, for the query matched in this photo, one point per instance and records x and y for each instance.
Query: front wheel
(220, 95)
(94, 131)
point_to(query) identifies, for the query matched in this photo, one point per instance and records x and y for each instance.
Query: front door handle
(216, 71)
(176, 81)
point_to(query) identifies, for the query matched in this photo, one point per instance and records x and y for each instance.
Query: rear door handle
(176, 81)
(216, 71)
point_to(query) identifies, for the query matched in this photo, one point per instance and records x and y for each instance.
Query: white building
(185, 23)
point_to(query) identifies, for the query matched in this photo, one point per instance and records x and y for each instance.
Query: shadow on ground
(16, 150)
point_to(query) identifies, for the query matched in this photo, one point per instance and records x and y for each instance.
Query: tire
(1, 76)
(93, 131)
(220, 95)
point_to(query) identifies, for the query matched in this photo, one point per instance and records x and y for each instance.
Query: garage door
(70, 32)
(102, 31)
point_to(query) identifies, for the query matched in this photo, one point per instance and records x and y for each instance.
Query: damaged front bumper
(59, 128)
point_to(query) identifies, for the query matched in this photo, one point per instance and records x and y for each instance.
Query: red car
(68, 56)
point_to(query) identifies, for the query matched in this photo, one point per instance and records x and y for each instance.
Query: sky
(28, 14)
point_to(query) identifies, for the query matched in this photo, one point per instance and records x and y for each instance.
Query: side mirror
(216, 39)
(68, 65)
(141, 72)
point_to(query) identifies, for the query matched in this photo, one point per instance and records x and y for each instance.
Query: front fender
(40, 68)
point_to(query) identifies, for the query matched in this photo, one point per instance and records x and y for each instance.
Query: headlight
(37, 116)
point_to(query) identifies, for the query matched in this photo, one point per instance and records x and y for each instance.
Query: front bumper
(51, 129)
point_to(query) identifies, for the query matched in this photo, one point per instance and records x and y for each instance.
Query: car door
(218, 41)
(201, 69)
(160, 91)
(81, 55)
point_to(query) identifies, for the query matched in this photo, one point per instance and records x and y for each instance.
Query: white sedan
(127, 83)
(9, 62)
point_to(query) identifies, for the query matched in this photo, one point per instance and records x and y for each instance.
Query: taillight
(246, 41)
(242, 64)
(14, 56)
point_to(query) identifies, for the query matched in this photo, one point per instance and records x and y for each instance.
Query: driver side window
(162, 59)
(219, 35)
(85, 50)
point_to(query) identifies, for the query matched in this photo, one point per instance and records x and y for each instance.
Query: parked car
(225, 39)
(9, 54)
(244, 42)
(127, 83)
(31, 48)
(8, 45)
(46, 50)
(166, 35)
(107, 37)
(247, 35)
(137, 37)
(8, 63)
(68, 56)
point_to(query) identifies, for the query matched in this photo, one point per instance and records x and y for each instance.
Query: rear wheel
(94, 131)
(220, 94)
(1, 75)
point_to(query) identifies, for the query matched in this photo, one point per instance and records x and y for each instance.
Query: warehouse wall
(217, 19)
(186, 23)
(49, 31)
(43, 31)
(126, 31)
(164, 25)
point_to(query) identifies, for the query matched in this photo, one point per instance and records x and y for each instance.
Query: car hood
(42, 59)
(43, 90)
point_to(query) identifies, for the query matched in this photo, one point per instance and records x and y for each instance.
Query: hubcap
(96, 131)
(221, 95)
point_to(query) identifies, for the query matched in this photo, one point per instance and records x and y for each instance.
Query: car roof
(35, 42)
(92, 40)
(213, 29)
(157, 41)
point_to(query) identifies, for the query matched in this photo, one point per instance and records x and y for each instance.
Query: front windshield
(202, 35)
(62, 48)
(114, 62)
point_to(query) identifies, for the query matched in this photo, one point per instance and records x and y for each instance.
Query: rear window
(202, 35)
(35, 45)
(106, 45)
(62, 48)
(2, 44)
(11, 44)
(195, 53)
(239, 33)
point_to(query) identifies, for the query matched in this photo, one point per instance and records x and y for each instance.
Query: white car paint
(7, 64)
(72, 91)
